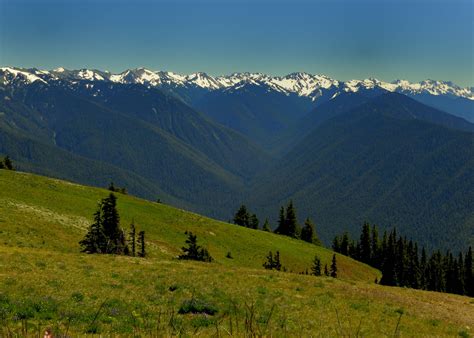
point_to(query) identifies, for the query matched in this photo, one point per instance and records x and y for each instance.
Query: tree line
(287, 223)
(403, 264)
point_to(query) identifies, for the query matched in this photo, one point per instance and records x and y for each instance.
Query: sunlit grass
(45, 281)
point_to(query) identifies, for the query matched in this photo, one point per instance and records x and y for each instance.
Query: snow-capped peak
(10, 74)
(431, 87)
(299, 83)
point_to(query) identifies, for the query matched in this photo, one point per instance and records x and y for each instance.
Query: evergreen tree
(276, 262)
(95, 240)
(389, 276)
(111, 225)
(316, 268)
(326, 272)
(401, 262)
(334, 267)
(291, 221)
(423, 270)
(253, 222)
(133, 239)
(273, 262)
(469, 273)
(8, 163)
(281, 229)
(193, 251)
(242, 217)
(459, 273)
(344, 246)
(105, 234)
(266, 226)
(2, 166)
(365, 252)
(401, 265)
(336, 244)
(307, 233)
(141, 243)
(353, 250)
(269, 262)
(436, 278)
(375, 248)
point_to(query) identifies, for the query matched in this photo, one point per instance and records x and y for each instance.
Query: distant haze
(345, 39)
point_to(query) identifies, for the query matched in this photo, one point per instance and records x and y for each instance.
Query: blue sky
(392, 39)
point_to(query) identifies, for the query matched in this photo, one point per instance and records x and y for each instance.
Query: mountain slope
(75, 294)
(221, 145)
(380, 162)
(254, 110)
(163, 141)
(38, 206)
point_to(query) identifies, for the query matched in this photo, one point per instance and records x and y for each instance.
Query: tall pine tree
(316, 268)
(334, 267)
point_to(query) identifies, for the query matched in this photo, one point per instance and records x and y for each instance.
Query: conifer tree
(95, 240)
(253, 222)
(469, 273)
(365, 244)
(105, 234)
(242, 217)
(326, 272)
(459, 275)
(193, 251)
(8, 163)
(2, 166)
(423, 270)
(141, 243)
(334, 267)
(375, 248)
(336, 244)
(291, 221)
(344, 245)
(266, 226)
(269, 262)
(276, 263)
(436, 281)
(133, 239)
(111, 225)
(389, 276)
(316, 268)
(353, 250)
(273, 262)
(307, 233)
(281, 229)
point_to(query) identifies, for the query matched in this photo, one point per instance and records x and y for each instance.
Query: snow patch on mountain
(302, 84)
(11, 74)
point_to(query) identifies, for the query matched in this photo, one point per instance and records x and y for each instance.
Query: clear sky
(391, 39)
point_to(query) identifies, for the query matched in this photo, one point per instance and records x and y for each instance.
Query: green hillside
(46, 282)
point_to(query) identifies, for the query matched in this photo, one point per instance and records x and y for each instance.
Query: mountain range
(399, 154)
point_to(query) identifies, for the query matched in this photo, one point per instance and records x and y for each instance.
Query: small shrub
(229, 255)
(197, 306)
(173, 288)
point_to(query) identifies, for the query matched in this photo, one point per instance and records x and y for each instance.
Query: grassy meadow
(45, 282)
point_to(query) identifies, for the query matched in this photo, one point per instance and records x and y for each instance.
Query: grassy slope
(41, 221)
